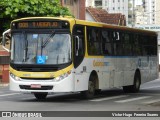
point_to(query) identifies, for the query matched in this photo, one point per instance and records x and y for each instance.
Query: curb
(4, 84)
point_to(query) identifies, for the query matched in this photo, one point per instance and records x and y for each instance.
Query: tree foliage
(13, 9)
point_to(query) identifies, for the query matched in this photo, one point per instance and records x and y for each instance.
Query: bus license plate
(35, 86)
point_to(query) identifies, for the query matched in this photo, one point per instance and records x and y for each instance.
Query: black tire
(89, 94)
(127, 89)
(136, 85)
(98, 91)
(40, 96)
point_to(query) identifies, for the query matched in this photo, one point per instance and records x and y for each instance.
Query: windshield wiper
(47, 40)
(25, 48)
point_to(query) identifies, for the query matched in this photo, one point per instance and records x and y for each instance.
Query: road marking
(150, 87)
(108, 98)
(132, 99)
(152, 101)
(9, 94)
(30, 98)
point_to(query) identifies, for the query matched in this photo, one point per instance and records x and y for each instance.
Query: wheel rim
(137, 83)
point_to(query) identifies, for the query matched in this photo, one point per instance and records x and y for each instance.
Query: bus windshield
(29, 48)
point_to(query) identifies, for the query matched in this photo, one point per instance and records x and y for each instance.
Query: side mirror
(4, 35)
(76, 45)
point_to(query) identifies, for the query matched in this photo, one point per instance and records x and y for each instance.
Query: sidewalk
(4, 84)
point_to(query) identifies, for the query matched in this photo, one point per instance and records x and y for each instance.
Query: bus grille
(26, 78)
(28, 87)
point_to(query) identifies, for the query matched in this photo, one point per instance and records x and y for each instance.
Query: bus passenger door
(78, 57)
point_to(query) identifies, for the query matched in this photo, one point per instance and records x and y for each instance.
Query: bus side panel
(108, 73)
(119, 73)
(82, 73)
(129, 70)
(81, 81)
(153, 68)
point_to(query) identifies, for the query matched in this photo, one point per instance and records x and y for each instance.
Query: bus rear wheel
(135, 87)
(40, 96)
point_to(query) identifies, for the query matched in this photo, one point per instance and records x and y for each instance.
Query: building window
(105, 3)
(113, 8)
(98, 3)
(68, 2)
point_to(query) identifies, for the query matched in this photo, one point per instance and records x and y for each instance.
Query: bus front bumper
(30, 86)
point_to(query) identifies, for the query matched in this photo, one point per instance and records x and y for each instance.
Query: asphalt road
(148, 99)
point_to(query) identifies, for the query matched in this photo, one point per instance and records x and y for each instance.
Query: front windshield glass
(29, 48)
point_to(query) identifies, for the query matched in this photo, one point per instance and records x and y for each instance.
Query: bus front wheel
(89, 94)
(40, 96)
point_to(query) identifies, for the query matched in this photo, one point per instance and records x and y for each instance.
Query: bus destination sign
(45, 24)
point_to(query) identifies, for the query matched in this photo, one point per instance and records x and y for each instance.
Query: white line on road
(9, 94)
(132, 99)
(28, 98)
(152, 101)
(108, 98)
(150, 87)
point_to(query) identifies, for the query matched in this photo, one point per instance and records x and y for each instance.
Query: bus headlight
(61, 77)
(15, 77)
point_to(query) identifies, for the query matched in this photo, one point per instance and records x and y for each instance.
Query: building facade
(101, 15)
(90, 3)
(111, 6)
(157, 12)
(76, 7)
(152, 11)
(140, 17)
(149, 10)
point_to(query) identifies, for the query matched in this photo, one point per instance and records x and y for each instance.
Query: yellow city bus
(56, 54)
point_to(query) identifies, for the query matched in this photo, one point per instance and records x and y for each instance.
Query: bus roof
(90, 23)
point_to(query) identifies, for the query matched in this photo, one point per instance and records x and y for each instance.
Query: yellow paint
(41, 74)
(98, 63)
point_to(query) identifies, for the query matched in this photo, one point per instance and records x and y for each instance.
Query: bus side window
(94, 41)
(106, 43)
(127, 42)
(136, 45)
(117, 42)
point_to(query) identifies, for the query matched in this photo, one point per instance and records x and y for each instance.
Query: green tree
(13, 9)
